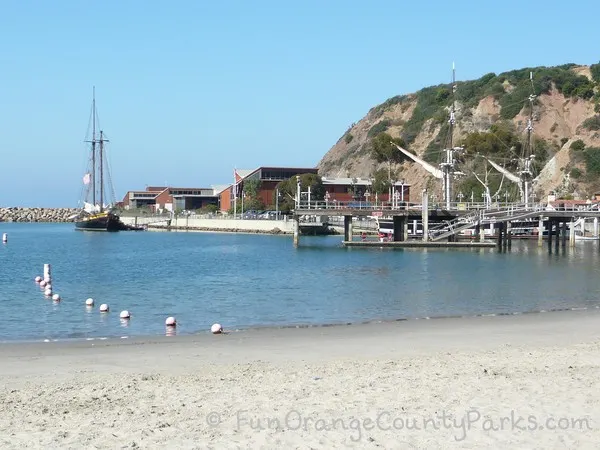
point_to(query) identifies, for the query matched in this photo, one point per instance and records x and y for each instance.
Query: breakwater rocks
(37, 214)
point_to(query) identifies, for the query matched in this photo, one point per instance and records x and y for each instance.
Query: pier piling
(348, 228)
(296, 231)
(425, 215)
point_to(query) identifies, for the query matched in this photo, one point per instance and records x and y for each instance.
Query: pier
(442, 226)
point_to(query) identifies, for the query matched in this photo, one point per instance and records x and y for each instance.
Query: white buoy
(4, 238)
(216, 329)
(42, 284)
(47, 274)
(89, 302)
(48, 286)
(48, 292)
(56, 298)
(38, 279)
(103, 307)
(124, 315)
(171, 322)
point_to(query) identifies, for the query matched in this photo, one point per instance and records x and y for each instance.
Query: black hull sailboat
(98, 216)
(99, 222)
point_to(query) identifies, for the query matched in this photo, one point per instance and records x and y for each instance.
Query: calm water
(244, 281)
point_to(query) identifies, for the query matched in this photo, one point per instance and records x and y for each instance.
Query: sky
(187, 90)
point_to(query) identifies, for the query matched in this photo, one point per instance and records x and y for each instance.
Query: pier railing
(513, 207)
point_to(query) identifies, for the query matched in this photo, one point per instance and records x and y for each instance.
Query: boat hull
(105, 222)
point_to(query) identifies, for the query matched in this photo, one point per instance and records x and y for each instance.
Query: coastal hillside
(491, 119)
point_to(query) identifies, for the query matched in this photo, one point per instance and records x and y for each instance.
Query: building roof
(347, 181)
(218, 188)
(243, 173)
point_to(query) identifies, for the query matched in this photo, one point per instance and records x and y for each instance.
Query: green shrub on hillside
(348, 138)
(575, 173)
(595, 69)
(379, 127)
(578, 145)
(592, 161)
(542, 152)
(592, 124)
(430, 101)
(501, 141)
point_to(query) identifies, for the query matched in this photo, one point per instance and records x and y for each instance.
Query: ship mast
(94, 145)
(527, 156)
(448, 165)
(101, 172)
(101, 141)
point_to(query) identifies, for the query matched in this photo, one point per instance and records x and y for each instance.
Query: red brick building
(269, 178)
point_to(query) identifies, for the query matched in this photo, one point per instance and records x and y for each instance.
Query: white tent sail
(428, 167)
(501, 169)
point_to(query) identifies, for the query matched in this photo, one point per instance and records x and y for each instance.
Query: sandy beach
(523, 381)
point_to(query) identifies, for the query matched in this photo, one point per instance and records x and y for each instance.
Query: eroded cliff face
(558, 120)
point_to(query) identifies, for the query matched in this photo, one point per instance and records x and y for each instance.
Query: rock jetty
(16, 214)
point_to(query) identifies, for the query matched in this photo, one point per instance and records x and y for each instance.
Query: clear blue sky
(188, 89)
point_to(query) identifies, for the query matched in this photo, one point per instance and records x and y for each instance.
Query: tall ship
(98, 211)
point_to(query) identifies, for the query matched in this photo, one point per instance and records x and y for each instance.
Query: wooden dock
(420, 244)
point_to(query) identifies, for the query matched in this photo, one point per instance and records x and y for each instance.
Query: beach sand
(409, 384)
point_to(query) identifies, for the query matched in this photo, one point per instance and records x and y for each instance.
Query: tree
(252, 188)
(380, 181)
(287, 190)
(384, 150)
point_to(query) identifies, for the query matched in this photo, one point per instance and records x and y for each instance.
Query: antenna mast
(448, 165)
(525, 172)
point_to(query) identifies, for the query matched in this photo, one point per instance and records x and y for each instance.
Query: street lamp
(460, 196)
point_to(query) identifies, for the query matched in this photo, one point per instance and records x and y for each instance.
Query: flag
(236, 180)
(236, 176)
(87, 178)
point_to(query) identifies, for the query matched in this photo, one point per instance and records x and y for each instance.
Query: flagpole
(234, 195)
